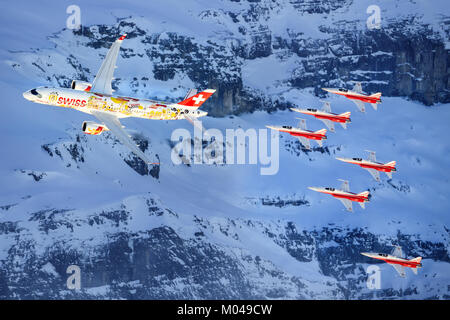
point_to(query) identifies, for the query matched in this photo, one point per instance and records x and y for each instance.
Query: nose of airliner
(27, 95)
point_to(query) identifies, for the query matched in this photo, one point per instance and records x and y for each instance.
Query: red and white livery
(372, 165)
(302, 134)
(358, 96)
(395, 259)
(344, 195)
(326, 116)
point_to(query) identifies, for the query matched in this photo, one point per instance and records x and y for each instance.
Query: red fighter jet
(303, 134)
(326, 116)
(372, 165)
(395, 259)
(344, 195)
(358, 96)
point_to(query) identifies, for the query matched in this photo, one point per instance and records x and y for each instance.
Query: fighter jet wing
(360, 105)
(375, 174)
(397, 252)
(347, 204)
(357, 87)
(345, 185)
(400, 269)
(329, 124)
(305, 142)
(102, 81)
(114, 125)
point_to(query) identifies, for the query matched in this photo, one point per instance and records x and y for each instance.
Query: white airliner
(97, 100)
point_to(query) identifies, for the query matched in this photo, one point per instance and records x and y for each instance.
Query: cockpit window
(357, 159)
(35, 93)
(383, 254)
(287, 127)
(312, 110)
(343, 90)
(330, 189)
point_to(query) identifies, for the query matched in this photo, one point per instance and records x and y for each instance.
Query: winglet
(122, 37)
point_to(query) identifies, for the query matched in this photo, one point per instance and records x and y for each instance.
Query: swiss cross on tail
(197, 99)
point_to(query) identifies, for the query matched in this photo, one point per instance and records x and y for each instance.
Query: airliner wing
(347, 204)
(305, 142)
(329, 124)
(360, 105)
(400, 269)
(114, 125)
(375, 174)
(102, 81)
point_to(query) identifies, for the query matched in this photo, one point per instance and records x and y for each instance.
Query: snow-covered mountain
(225, 231)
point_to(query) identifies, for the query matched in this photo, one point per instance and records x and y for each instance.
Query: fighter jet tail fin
(375, 106)
(391, 164)
(362, 204)
(376, 95)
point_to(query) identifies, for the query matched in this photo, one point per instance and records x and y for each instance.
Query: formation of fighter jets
(328, 118)
(98, 100)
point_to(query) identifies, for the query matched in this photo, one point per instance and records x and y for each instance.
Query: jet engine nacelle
(80, 85)
(90, 127)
